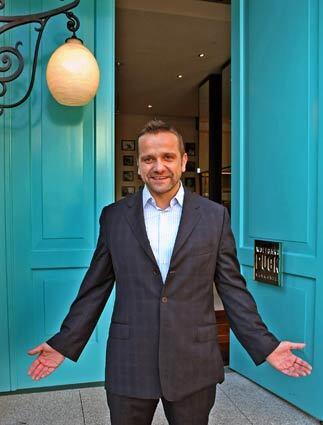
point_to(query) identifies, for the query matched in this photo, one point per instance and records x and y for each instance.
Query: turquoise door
(277, 57)
(4, 331)
(57, 172)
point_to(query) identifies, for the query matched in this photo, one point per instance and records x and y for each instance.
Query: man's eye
(148, 160)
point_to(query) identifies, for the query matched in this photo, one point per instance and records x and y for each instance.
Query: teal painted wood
(4, 325)
(61, 163)
(277, 180)
(5, 260)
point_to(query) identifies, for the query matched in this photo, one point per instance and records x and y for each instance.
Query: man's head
(157, 126)
(161, 157)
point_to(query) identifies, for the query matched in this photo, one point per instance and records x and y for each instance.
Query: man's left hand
(283, 359)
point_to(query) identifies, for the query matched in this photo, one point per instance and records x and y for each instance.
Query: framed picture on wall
(127, 190)
(204, 184)
(190, 183)
(128, 145)
(190, 149)
(128, 176)
(128, 160)
(191, 166)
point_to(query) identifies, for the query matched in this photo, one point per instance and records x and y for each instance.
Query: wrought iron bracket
(8, 53)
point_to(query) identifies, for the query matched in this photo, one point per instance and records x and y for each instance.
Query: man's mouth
(159, 177)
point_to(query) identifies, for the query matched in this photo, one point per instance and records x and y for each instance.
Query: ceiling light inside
(179, 76)
(150, 106)
(201, 55)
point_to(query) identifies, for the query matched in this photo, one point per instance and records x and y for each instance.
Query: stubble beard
(163, 189)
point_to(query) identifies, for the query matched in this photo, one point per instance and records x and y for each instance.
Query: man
(164, 247)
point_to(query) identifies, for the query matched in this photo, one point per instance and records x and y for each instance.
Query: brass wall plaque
(268, 262)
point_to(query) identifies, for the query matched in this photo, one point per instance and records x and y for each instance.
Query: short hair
(157, 126)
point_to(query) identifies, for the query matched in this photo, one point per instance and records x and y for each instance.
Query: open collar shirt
(162, 227)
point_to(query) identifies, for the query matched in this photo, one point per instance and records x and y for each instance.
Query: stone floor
(238, 402)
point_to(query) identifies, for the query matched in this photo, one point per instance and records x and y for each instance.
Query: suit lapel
(189, 219)
(135, 217)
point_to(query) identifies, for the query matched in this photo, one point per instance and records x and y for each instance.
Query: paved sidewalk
(238, 402)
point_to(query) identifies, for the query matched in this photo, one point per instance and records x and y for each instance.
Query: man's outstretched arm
(243, 315)
(83, 315)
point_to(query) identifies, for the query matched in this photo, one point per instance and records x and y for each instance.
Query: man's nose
(159, 166)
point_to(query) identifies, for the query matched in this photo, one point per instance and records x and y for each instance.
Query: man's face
(160, 163)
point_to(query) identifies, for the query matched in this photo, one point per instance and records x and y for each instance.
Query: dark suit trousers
(192, 410)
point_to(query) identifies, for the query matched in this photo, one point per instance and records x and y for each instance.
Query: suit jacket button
(155, 272)
(164, 300)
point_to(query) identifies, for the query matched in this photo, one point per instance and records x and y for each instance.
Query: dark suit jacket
(162, 338)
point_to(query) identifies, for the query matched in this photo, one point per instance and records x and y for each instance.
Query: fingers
(296, 345)
(48, 372)
(298, 368)
(294, 372)
(286, 362)
(46, 362)
(303, 365)
(42, 367)
(33, 367)
(302, 362)
(37, 372)
(36, 350)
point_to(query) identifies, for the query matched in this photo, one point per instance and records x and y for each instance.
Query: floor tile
(159, 417)
(224, 412)
(94, 405)
(238, 402)
(48, 408)
(260, 406)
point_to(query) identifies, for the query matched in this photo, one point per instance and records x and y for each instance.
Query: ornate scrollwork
(73, 23)
(7, 53)
(3, 88)
(6, 59)
(42, 22)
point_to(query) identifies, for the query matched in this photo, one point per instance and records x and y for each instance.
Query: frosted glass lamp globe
(73, 74)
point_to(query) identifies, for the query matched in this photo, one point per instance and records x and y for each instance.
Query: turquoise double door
(277, 133)
(56, 174)
(57, 171)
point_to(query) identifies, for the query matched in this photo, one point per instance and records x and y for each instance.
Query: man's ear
(184, 161)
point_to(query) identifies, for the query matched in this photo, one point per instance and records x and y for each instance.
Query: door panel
(61, 162)
(4, 324)
(277, 182)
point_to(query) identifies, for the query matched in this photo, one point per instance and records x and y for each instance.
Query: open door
(277, 187)
(56, 174)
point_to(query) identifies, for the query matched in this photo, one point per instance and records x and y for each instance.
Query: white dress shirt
(162, 227)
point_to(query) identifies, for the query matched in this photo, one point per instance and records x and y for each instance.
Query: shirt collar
(178, 198)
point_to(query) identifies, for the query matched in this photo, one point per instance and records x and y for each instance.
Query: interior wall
(226, 116)
(226, 137)
(127, 128)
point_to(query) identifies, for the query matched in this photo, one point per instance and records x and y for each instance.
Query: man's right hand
(47, 361)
